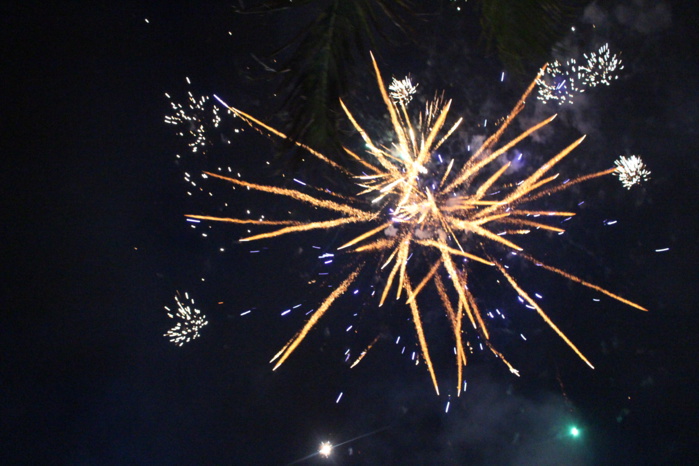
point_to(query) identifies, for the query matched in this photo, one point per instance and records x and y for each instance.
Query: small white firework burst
(631, 170)
(557, 84)
(402, 91)
(600, 67)
(562, 82)
(194, 118)
(191, 320)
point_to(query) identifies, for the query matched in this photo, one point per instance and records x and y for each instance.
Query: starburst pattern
(631, 170)
(190, 321)
(456, 216)
(402, 91)
(194, 119)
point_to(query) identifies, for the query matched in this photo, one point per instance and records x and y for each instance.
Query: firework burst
(189, 319)
(195, 119)
(563, 81)
(457, 216)
(631, 170)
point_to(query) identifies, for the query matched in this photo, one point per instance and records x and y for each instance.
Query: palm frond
(524, 31)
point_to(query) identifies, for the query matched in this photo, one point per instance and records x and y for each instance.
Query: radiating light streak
(401, 211)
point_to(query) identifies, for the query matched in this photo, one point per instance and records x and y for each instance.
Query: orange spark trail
(298, 338)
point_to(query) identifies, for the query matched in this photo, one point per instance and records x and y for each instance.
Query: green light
(574, 431)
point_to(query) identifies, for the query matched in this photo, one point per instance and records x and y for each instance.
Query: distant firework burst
(563, 81)
(189, 320)
(195, 119)
(427, 225)
(631, 170)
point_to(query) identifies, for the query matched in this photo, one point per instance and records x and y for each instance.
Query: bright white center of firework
(325, 449)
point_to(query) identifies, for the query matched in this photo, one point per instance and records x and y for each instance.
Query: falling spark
(364, 353)
(457, 219)
(191, 320)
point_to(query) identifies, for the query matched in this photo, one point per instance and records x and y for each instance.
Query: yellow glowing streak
(530, 223)
(443, 247)
(403, 250)
(298, 195)
(306, 227)
(458, 286)
(499, 355)
(379, 154)
(399, 129)
(378, 245)
(421, 337)
(470, 226)
(455, 318)
(428, 277)
(470, 305)
(544, 213)
(524, 187)
(486, 186)
(243, 221)
(570, 183)
(582, 282)
(541, 312)
(298, 338)
(252, 121)
(365, 235)
(364, 353)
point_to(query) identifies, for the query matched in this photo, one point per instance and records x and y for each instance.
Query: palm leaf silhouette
(319, 62)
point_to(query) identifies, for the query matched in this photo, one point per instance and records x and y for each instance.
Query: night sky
(95, 244)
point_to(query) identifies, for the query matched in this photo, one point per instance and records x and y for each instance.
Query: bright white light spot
(325, 449)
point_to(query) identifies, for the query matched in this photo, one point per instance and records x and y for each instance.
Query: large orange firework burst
(455, 217)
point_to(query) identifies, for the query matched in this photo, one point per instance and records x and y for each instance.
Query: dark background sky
(95, 244)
